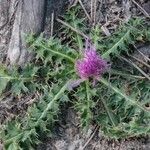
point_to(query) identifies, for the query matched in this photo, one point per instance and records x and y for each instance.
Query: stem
(88, 98)
(87, 91)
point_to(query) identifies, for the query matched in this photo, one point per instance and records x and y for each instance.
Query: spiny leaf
(102, 80)
(17, 133)
(127, 34)
(52, 47)
(51, 103)
(114, 49)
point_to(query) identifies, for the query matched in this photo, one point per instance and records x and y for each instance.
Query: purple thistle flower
(91, 65)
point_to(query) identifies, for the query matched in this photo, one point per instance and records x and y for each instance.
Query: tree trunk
(22, 17)
(19, 18)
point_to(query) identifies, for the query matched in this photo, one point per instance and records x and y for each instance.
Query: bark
(29, 16)
(3, 22)
(19, 18)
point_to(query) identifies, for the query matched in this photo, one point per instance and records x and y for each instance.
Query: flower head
(91, 65)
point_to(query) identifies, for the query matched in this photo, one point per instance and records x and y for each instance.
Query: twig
(105, 30)
(126, 75)
(143, 55)
(86, 13)
(94, 146)
(92, 1)
(52, 23)
(141, 9)
(94, 13)
(134, 65)
(139, 60)
(72, 28)
(74, 3)
(85, 145)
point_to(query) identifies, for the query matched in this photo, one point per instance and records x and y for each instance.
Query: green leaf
(3, 84)
(4, 79)
(51, 103)
(114, 49)
(13, 146)
(18, 87)
(132, 101)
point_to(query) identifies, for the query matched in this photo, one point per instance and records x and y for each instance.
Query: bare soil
(68, 135)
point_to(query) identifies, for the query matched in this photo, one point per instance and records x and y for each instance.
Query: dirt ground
(68, 135)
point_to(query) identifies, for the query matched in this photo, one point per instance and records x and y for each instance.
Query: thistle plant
(62, 74)
(91, 65)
